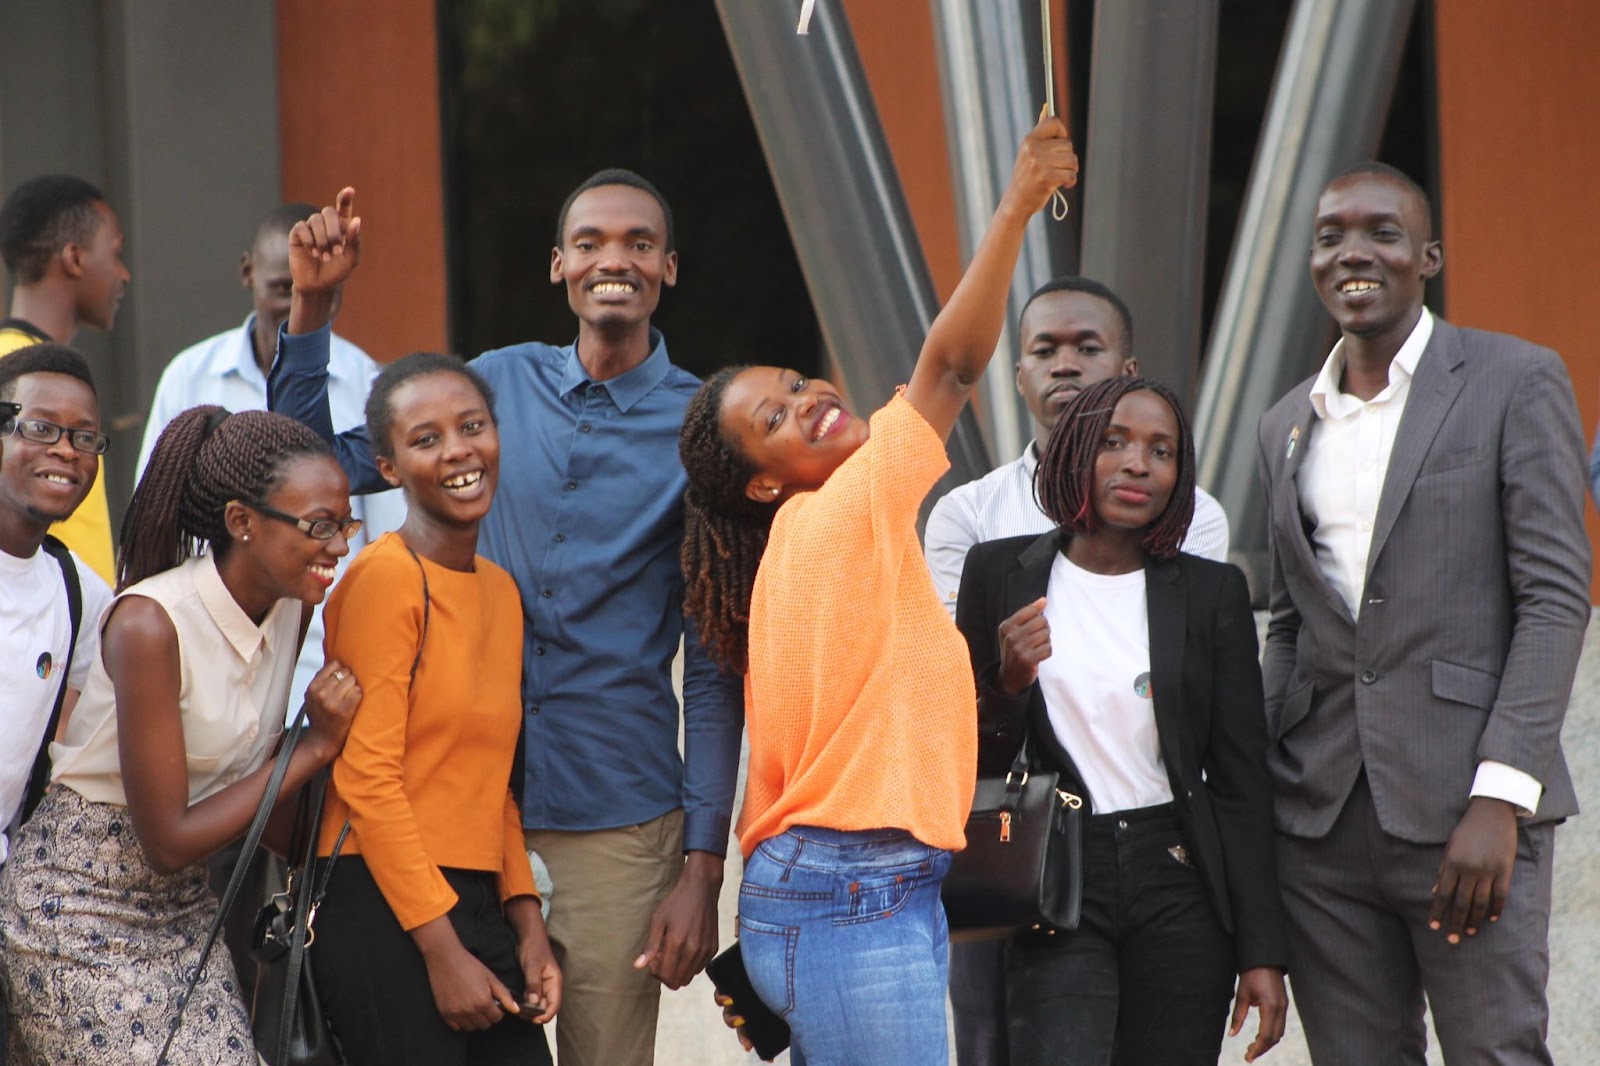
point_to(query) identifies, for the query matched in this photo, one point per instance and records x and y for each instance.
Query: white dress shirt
(1341, 481)
(223, 370)
(1000, 504)
(1096, 686)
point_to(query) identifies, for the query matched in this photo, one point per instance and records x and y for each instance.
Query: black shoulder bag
(287, 1019)
(1023, 863)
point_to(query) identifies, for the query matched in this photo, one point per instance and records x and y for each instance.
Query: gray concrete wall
(171, 107)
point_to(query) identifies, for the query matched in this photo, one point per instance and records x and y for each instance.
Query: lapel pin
(1294, 438)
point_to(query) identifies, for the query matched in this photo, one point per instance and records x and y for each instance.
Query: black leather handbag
(286, 1017)
(1023, 863)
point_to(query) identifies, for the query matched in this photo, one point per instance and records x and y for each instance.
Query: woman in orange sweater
(431, 948)
(858, 695)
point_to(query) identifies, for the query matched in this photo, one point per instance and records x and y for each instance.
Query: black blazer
(1206, 687)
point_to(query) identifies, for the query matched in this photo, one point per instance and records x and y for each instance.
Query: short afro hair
(42, 216)
(281, 219)
(42, 359)
(1089, 287)
(380, 412)
(616, 176)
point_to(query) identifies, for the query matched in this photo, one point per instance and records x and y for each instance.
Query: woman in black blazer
(1132, 670)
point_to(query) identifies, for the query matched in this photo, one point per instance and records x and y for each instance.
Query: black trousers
(1146, 978)
(374, 984)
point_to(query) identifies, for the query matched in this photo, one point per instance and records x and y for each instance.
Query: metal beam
(1147, 165)
(992, 81)
(1330, 100)
(841, 195)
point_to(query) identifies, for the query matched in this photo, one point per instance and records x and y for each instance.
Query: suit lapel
(1026, 581)
(1434, 389)
(1167, 602)
(1030, 577)
(1288, 519)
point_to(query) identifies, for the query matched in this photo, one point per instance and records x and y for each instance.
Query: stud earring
(245, 538)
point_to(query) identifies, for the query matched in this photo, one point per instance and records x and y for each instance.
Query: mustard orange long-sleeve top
(425, 774)
(859, 699)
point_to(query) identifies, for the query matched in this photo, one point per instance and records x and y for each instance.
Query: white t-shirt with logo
(1096, 685)
(35, 628)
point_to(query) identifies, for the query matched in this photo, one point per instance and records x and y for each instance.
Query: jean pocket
(872, 899)
(768, 951)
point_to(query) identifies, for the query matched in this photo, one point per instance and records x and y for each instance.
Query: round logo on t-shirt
(44, 665)
(1141, 685)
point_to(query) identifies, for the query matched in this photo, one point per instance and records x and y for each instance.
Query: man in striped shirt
(1075, 332)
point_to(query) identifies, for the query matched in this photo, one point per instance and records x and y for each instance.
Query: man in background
(61, 243)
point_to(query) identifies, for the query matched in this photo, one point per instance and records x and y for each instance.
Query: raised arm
(962, 338)
(324, 251)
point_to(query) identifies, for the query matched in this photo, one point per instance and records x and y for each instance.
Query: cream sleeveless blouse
(234, 686)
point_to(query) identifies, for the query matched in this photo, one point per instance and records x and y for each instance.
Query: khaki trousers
(608, 883)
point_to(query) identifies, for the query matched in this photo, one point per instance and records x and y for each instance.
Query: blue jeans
(844, 936)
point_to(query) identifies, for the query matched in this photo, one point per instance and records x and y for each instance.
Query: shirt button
(547, 593)
(533, 708)
(571, 485)
(560, 537)
(1366, 527)
(584, 428)
(1368, 676)
(538, 651)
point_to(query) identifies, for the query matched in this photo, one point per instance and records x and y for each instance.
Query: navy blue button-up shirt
(588, 519)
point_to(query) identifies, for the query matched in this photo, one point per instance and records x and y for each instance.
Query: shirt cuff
(706, 831)
(1499, 781)
(305, 351)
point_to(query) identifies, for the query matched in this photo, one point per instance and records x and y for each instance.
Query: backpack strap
(40, 775)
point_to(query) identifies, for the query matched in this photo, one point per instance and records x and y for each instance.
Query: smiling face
(102, 278)
(794, 430)
(1137, 464)
(1372, 251)
(444, 447)
(613, 258)
(45, 483)
(289, 563)
(1070, 340)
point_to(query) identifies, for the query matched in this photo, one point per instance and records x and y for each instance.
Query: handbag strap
(309, 899)
(1016, 777)
(252, 840)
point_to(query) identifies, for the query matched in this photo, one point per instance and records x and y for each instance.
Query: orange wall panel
(1518, 158)
(358, 104)
(895, 41)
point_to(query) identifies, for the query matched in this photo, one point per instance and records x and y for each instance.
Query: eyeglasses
(321, 529)
(39, 431)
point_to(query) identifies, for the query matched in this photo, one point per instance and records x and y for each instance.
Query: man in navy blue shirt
(588, 520)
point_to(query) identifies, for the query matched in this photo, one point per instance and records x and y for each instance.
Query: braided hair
(203, 460)
(1064, 482)
(724, 531)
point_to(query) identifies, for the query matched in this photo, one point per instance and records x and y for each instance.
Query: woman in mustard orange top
(431, 948)
(858, 695)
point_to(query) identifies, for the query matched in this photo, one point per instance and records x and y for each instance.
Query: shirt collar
(240, 357)
(626, 389)
(244, 635)
(1325, 390)
(1030, 458)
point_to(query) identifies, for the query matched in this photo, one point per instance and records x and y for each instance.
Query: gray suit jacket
(1476, 598)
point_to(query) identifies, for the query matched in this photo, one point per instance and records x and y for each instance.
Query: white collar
(1402, 367)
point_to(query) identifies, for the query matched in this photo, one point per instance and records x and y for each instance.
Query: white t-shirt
(35, 628)
(1096, 685)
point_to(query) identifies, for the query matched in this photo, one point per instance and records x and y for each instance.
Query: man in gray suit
(1430, 578)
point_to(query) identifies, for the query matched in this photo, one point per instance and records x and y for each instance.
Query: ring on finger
(338, 675)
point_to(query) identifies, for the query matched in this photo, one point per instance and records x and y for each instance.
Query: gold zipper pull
(1005, 827)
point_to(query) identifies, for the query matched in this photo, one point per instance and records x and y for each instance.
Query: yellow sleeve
(88, 532)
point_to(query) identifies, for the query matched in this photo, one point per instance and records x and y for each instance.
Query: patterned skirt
(96, 948)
